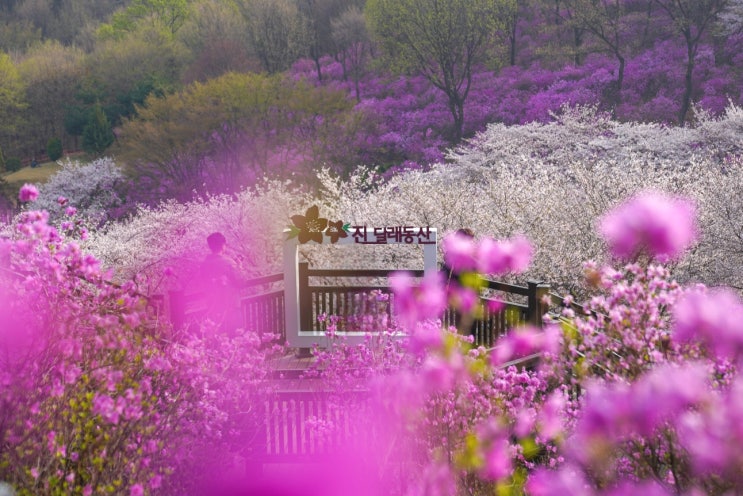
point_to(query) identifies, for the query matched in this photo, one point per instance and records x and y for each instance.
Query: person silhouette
(221, 283)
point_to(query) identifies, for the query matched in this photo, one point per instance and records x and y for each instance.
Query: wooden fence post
(537, 307)
(305, 305)
(305, 298)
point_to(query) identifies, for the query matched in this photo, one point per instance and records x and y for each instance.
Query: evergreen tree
(97, 134)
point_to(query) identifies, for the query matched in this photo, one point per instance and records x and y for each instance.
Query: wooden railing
(348, 301)
(340, 301)
(283, 418)
(263, 312)
(285, 434)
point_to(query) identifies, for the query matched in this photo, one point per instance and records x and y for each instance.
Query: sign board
(312, 229)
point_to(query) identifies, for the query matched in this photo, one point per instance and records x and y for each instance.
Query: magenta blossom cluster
(488, 256)
(655, 224)
(28, 193)
(97, 394)
(714, 318)
(418, 302)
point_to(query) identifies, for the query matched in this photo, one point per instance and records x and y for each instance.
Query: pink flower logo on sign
(312, 227)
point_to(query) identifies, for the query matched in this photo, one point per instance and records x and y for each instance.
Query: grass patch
(12, 182)
(37, 174)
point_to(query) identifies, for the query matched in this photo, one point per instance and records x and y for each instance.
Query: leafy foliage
(97, 133)
(234, 130)
(97, 396)
(54, 149)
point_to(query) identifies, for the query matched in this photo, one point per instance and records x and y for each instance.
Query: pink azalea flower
(459, 252)
(714, 318)
(28, 193)
(520, 342)
(497, 461)
(660, 225)
(566, 480)
(417, 303)
(551, 416)
(464, 299)
(500, 257)
(423, 337)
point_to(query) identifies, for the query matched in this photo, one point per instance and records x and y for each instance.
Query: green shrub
(54, 149)
(13, 164)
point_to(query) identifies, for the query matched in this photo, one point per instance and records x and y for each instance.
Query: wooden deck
(287, 370)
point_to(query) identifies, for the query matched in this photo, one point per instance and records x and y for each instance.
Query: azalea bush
(97, 394)
(633, 392)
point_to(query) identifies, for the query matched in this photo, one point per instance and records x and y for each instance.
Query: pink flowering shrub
(96, 395)
(636, 392)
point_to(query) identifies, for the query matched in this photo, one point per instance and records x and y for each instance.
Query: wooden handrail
(359, 272)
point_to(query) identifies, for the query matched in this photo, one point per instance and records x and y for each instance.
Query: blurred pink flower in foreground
(660, 225)
(488, 256)
(499, 257)
(28, 193)
(714, 318)
(523, 341)
(416, 303)
(459, 252)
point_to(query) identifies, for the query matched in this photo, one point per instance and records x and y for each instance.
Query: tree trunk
(319, 69)
(578, 41)
(456, 106)
(686, 102)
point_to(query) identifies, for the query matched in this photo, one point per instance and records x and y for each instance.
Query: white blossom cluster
(582, 133)
(550, 182)
(89, 187)
(162, 247)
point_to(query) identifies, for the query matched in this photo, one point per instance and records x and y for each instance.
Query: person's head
(216, 242)
(466, 231)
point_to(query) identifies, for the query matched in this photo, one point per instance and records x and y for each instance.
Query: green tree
(165, 16)
(52, 73)
(97, 134)
(232, 129)
(275, 31)
(441, 39)
(121, 73)
(12, 103)
(54, 149)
